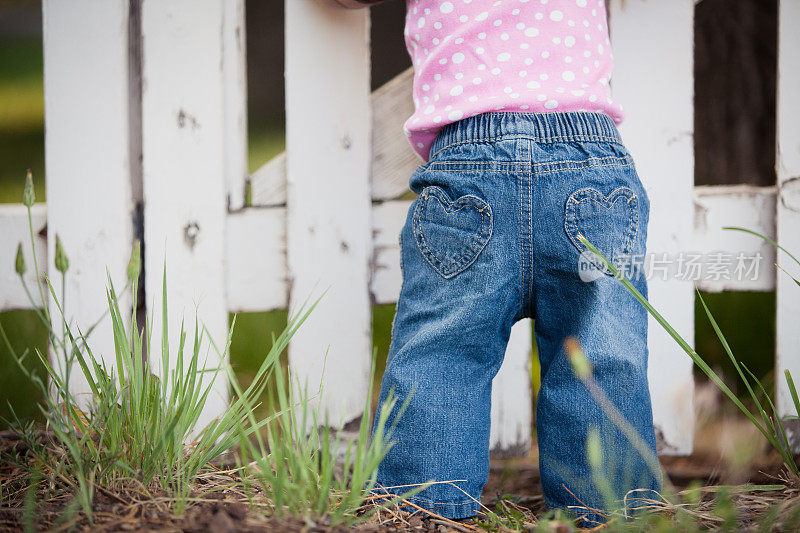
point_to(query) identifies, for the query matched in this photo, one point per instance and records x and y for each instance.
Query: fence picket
(787, 296)
(87, 160)
(184, 166)
(328, 201)
(653, 78)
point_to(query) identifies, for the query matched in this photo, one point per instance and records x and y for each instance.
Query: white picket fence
(145, 102)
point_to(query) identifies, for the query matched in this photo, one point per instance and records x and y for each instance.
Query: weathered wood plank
(87, 160)
(787, 297)
(14, 221)
(328, 225)
(256, 275)
(653, 79)
(748, 261)
(183, 130)
(393, 159)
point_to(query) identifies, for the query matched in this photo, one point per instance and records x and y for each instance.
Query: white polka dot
(557, 40)
(568, 59)
(459, 75)
(498, 22)
(481, 35)
(504, 36)
(523, 73)
(568, 75)
(420, 22)
(505, 56)
(458, 57)
(481, 66)
(482, 16)
(479, 50)
(446, 7)
(495, 71)
(437, 77)
(600, 49)
(476, 81)
(520, 26)
(455, 115)
(435, 40)
(437, 25)
(473, 98)
(578, 92)
(541, 97)
(539, 16)
(556, 15)
(593, 98)
(429, 110)
(437, 119)
(545, 54)
(528, 61)
(531, 32)
(463, 18)
(442, 61)
(420, 145)
(524, 46)
(533, 85)
(459, 40)
(426, 87)
(581, 3)
(569, 40)
(455, 91)
(508, 90)
(585, 70)
(543, 76)
(550, 104)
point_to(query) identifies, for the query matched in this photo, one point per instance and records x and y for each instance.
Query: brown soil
(221, 506)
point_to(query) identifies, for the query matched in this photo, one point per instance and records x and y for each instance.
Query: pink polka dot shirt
(528, 56)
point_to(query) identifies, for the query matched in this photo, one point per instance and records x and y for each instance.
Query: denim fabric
(493, 238)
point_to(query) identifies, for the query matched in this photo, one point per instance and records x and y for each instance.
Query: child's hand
(350, 4)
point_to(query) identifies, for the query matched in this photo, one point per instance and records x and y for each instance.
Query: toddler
(516, 124)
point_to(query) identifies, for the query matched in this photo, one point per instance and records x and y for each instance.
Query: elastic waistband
(539, 127)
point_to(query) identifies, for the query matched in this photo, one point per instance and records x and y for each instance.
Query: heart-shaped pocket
(608, 222)
(451, 234)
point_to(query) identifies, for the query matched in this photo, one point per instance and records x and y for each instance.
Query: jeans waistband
(539, 127)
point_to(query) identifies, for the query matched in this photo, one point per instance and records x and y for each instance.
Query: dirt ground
(726, 452)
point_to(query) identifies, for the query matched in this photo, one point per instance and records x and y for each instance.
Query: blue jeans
(493, 238)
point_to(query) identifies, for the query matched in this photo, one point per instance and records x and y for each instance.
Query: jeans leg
(448, 341)
(611, 209)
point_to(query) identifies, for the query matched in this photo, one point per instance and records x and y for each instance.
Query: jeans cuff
(451, 510)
